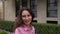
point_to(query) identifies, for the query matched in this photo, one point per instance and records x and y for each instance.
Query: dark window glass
(17, 3)
(24, 3)
(51, 8)
(20, 4)
(33, 7)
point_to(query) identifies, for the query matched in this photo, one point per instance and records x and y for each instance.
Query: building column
(58, 11)
(41, 11)
(10, 10)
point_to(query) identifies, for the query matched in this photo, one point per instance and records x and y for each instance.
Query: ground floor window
(33, 6)
(23, 3)
(52, 8)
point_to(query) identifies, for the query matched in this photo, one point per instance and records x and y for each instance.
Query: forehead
(25, 12)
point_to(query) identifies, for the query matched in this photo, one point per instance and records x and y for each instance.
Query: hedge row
(39, 28)
(6, 25)
(47, 28)
(3, 32)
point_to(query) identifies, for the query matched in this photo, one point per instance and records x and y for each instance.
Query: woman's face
(26, 17)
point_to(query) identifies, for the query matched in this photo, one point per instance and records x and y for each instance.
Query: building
(46, 11)
(7, 10)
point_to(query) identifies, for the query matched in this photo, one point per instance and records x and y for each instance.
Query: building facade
(7, 10)
(46, 11)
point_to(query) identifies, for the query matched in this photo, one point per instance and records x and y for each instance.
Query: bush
(39, 27)
(45, 28)
(3, 32)
(6, 25)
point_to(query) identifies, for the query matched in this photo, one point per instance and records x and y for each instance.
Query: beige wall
(1, 10)
(41, 11)
(10, 10)
(58, 11)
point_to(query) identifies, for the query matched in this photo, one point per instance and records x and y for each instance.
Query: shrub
(45, 28)
(3, 32)
(6, 25)
(40, 28)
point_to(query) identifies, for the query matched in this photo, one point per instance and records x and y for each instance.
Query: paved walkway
(6, 31)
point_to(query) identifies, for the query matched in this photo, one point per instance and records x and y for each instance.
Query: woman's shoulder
(33, 27)
(18, 28)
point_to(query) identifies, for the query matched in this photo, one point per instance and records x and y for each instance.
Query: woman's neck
(28, 26)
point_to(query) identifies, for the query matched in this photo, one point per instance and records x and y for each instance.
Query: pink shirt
(24, 30)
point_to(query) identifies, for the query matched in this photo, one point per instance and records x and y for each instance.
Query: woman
(24, 22)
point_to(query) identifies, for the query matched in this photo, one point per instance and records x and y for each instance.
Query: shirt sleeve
(17, 31)
(33, 30)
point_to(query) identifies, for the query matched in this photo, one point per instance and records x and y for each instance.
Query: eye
(23, 16)
(29, 15)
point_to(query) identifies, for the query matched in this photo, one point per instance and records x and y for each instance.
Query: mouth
(27, 21)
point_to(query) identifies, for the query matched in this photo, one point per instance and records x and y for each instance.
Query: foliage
(40, 28)
(3, 32)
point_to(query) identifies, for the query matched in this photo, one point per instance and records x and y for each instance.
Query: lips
(26, 21)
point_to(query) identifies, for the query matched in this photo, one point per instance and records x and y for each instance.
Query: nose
(27, 17)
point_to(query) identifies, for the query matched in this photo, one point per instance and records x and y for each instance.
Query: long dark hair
(19, 20)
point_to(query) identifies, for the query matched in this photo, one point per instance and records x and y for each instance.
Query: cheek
(23, 18)
(30, 18)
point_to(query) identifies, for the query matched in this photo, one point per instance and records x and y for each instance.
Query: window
(20, 4)
(33, 7)
(51, 8)
(17, 6)
(24, 3)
